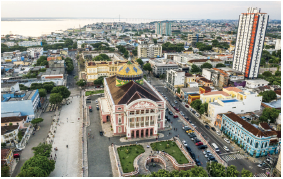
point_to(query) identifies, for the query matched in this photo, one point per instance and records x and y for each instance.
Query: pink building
(135, 108)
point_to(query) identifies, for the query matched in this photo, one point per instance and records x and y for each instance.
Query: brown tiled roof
(5, 129)
(273, 141)
(204, 60)
(205, 80)
(188, 75)
(278, 134)
(4, 153)
(278, 91)
(264, 125)
(129, 92)
(249, 127)
(270, 133)
(13, 119)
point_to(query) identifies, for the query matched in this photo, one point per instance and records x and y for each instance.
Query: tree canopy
(219, 65)
(36, 121)
(206, 65)
(232, 171)
(42, 92)
(99, 80)
(267, 74)
(55, 98)
(194, 172)
(81, 82)
(62, 90)
(203, 47)
(216, 169)
(268, 96)
(269, 114)
(5, 171)
(246, 173)
(42, 61)
(42, 162)
(147, 67)
(195, 68)
(42, 149)
(102, 57)
(172, 47)
(140, 61)
(32, 172)
(196, 104)
(203, 108)
(69, 64)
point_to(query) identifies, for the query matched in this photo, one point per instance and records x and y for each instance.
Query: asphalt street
(208, 134)
(71, 82)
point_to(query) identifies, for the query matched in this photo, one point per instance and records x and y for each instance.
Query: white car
(226, 149)
(175, 102)
(218, 133)
(185, 143)
(204, 152)
(227, 140)
(185, 127)
(205, 156)
(96, 101)
(259, 165)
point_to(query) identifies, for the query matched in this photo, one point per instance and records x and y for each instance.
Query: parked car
(226, 148)
(17, 155)
(18, 150)
(166, 117)
(202, 147)
(185, 143)
(213, 128)
(190, 131)
(193, 138)
(188, 149)
(175, 116)
(186, 128)
(197, 140)
(211, 158)
(96, 101)
(198, 162)
(207, 126)
(187, 106)
(186, 118)
(218, 133)
(88, 100)
(168, 120)
(170, 113)
(176, 109)
(175, 102)
(199, 143)
(190, 121)
(269, 159)
(227, 140)
(193, 156)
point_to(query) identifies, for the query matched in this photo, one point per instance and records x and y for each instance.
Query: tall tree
(36, 121)
(40, 161)
(32, 172)
(99, 80)
(5, 171)
(246, 173)
(55, 98)
(219, 65)
(65, 93)
(42, 149)
(140, 61)
(206, 65)
(81, 82)
(42, 92)
(216, 169)
(196, 104)
(147, 67)
(195, 69)
(232, 171)
(267, 74)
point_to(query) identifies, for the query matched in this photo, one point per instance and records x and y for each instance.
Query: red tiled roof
(4, 153)
(264, 125)
(48, 77)
(233, 89)
(204, 60)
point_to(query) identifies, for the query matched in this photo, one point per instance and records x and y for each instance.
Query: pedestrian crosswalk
(260, 175)
(230, 157)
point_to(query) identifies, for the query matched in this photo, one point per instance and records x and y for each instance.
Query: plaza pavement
(67, 161)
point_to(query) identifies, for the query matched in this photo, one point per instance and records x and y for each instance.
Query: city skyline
(181, 10)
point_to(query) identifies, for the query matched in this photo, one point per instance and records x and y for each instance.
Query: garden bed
(87, 93)
(127, 155)
(172, 149)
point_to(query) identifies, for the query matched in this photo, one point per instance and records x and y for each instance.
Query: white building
(175, 79)
(250, 41)
(278, 44)
(29, 43)
(245, 101)
(149, 51)
(160, 68)
(256, 83)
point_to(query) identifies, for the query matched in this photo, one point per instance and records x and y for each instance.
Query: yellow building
(21, 63)
(214, 95)
(218, 50)
(7, 157)
(232, 47)
(232, 91)
(188, 51)
(190, 77)
(95, 69)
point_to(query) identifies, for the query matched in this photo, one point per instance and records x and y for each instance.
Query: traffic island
(128, 159)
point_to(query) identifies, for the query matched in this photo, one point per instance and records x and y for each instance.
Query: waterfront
(37, 28)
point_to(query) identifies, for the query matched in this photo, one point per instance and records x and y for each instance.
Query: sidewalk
(123, 139)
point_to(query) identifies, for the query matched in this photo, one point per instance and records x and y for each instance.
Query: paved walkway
(67, 161)
(123, 139)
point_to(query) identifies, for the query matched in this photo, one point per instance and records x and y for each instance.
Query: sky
(190, 10)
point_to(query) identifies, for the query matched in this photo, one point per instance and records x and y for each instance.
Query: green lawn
(127, 157)
(87, 93)
(172, 150)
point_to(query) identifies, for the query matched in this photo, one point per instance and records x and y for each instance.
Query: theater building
(132, 106)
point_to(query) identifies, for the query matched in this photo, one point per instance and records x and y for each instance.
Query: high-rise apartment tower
(163, 28)
(249, 43)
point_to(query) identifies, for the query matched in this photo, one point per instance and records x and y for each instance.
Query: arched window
(242, 135)
(256, 145)
(248, 140)
(265, 144)
(251, 142)
(262, 145)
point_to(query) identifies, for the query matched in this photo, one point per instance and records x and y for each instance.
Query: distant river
(38, 28)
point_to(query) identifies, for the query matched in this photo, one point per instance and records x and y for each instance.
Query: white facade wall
(206, 73)
(256, 83)
(278, 44)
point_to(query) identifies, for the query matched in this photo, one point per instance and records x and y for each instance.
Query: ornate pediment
(142, 104)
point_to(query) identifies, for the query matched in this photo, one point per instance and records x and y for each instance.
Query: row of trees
(218, 170)
(196, 69)
(59, 93)
(172, 47)
(123, 50)
(69, 64)
(269, 114)
(203, 47)
(39, 165)
(272, 79)
(199, 106)
(216, 43)
(102, 46)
